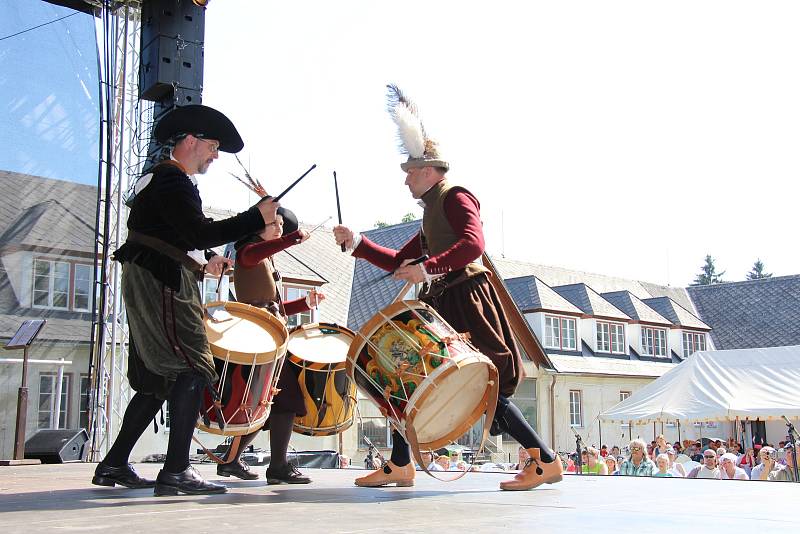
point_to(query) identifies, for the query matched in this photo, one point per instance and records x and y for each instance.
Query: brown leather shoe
(536, 473)
(389, 474)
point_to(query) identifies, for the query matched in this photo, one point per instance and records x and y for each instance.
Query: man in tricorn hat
(457, 287)
(165, 255)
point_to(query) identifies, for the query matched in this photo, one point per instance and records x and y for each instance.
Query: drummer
(257, 283)
(163, 259)
(458, 288)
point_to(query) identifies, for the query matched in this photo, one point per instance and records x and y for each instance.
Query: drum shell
(247, 373)
(459, 359)
(328, 391)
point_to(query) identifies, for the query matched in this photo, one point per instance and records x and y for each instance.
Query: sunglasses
(636, 448)
(709, 457)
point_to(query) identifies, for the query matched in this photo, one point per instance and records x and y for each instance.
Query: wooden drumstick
(338, 206)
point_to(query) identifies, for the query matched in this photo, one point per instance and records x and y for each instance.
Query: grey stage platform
(60, 498)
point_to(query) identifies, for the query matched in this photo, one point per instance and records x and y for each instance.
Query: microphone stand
(579, 449)
(793, 441)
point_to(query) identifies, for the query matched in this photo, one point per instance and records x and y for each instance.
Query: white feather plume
(410, 131)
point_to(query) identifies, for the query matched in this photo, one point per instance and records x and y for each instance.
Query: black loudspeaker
(173, 18)
(58, 446)
(167, 63)
(171, 57)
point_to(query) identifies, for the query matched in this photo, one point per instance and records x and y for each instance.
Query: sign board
(26, 334)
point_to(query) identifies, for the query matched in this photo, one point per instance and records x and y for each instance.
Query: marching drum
(426, 377)
(318, 353)
(248, 344)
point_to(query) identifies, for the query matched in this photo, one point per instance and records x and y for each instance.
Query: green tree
(757, 272)
(408, 217)
(709, 274)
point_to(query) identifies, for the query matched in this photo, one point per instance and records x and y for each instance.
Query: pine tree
(708, 275)
(757, 271)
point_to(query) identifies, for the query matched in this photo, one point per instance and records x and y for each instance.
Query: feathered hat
(421, 150)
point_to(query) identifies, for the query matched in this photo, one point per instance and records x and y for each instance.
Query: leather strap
(171, 251)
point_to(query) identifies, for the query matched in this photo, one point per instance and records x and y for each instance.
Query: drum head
(320, 343)
(445, 412)
(249, 336)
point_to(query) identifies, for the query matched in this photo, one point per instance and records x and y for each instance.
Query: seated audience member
(344, 461)
(427, 460)
(615, 451)
(590, 458)
(676, 468)
(728, 470)
(637, 464)
(611, 465)
(747, 461)
(522, 458)
(603, 451)
(443, 462)
(461, 465)
(662, 466)
(660, 446)
(709, 467)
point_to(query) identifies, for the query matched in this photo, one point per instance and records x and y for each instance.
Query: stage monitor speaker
(167, 63)
(58, 446)
(173, 18)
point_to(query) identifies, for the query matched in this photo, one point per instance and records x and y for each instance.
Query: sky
(628, 138)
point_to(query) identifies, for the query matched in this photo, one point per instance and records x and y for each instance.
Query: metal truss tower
(124, 134)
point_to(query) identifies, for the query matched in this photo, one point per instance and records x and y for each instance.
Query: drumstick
(320, 224)
(338, 206)
(221, 274)
(279, 197)
(422, 258)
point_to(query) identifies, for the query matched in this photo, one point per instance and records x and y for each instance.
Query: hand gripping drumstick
(338, 206)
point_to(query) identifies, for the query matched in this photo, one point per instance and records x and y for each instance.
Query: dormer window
(610, 337)
(654, 341)
(559, 333)
(692, 342)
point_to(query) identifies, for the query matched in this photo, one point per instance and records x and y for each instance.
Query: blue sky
(623, 137)
(49, 110)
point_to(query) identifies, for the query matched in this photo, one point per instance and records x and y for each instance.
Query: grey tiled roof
(634, 307)
(46, 214)
(676, 313)
(589, 301)
(531, 294)
(558, 276)
(755, 313)
(317, 260)
(371, 290)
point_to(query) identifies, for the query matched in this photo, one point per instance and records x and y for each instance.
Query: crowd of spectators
(689, 459)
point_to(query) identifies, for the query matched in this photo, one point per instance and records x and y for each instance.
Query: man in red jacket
(457, 287)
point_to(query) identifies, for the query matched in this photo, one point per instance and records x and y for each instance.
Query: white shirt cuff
(356, 241)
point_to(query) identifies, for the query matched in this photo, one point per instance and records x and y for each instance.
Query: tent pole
(600, 429)
(678, 422)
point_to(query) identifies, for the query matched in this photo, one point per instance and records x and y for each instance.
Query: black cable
(39, 26)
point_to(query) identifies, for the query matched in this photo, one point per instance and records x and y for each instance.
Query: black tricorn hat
(200, 121)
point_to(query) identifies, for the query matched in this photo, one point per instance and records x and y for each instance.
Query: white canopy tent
(722, 385)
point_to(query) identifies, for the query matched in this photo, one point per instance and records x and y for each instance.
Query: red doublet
(463, 213)
(252, 254)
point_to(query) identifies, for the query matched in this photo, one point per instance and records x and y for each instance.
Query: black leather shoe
(238, 469)
(188, 481)
(105, 475)
(287, 474)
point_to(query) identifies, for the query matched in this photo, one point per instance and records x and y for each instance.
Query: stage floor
(53, 498)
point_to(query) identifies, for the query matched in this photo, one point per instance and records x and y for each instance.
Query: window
(47, 401)
(559, 333)
(50, 284)
(372, 425)
(210, 285)
(654, 341)
(84, 407)
(525, 399)
(610, 337)
(292, 293)
(82, 288)
(692, 342)
(575, 408)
